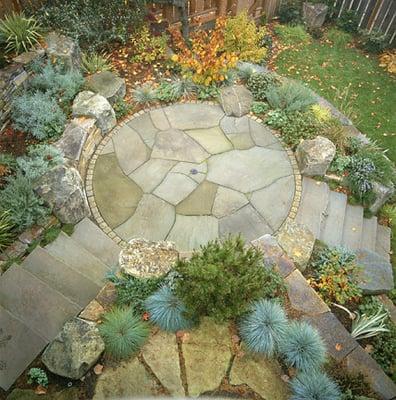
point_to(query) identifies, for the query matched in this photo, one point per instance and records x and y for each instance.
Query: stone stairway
(53, 284)
(336, 223)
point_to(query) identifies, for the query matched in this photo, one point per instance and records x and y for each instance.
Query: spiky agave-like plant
(167, 311)
(314, 385)
(123, 332)
(264, 327)
(302, 346)
(144, 94)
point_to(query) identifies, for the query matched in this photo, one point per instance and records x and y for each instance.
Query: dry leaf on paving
(98, 369)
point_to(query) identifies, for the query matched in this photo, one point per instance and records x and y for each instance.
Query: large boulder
(297, 241)
(236, 100)
(64, 49)
(315, 156)
(382, 195)
(375, 276)
(108, 85)
(314, 14)
(90, 104)
(62, 189)
(75, 350)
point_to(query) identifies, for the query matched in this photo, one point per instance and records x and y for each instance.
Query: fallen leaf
(40, 390)
(98, 369)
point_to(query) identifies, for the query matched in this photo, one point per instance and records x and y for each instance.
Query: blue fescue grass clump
(314, 385)
(167, 311)
(123, 332)
(302, 346)
(264, 327)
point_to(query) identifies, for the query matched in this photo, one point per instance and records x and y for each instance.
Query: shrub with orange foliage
(205, 62)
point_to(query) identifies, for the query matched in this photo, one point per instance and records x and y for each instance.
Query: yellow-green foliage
(242, 37)
(322, 114)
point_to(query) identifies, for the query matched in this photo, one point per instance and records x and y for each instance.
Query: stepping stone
(261, 134)
(162, 355)
(247, 222)
(211, 139)
(333, 223)
(143, 125)
(195, 171)
(191, 232)
(19, 347)
(227, 201)
(261, 374)
(152, 220)
(263, 201)
(193, 116)
(116, 195)
(314, 203)
(76, 287)
(200, 201)
(175, 145)
(71, 253)
(353, 225)
(37, 305)
(248, 170)
(383, 245)
(159, 119)
(151, 173)
(369, 234)
(130, 149)
(207, 353)
(175, 188)
(93, 239)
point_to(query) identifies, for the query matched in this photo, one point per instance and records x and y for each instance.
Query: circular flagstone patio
(189, 174)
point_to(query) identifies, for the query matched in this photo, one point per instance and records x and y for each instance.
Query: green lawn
(330, 70)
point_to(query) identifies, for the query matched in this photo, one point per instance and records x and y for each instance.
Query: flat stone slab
(227, 201)
(205, 369)
(195, 171)
(159, 119)
(262, 135)
(145, 128)
(175, 188)
(200, 201)
(212, 140)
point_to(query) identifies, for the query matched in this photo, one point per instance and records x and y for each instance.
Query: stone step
(332, 227)
(19, 346)
(353, 226)
(383, 243)
(37, 305)
(369, 234)
(314, 203)
(92, 238)
(65, 249)
(61, 277)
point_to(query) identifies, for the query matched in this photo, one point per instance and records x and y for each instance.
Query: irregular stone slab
(193, 116)
(261, 374)
(64, 49)
(159, 119)
(143, 258)
(143, 125)
(261, 134)
(245, 221)
(302, 297)
(248, 170)
(338, 340)
(149, 175)
(297, 241)
(200, 201)
(195, 171)
(236, 100)
(127, 380)
(108, 85)
(75, 350)
(190, 232)
(241, 141)
(227, 201)
(383, 194)
(263, 201)
(108, 148)
(62, 188)
(162, 355)
(19, 347)
(116, 196)
(90, 104)
(232, 125)
(211, 139)
(207, 353)
(315, 156)
(376, 275)
(152, 220)
(175, 188)
(130, 149)
(176, 145)
(93, 311)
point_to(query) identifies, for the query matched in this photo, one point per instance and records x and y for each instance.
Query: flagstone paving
(190, 174)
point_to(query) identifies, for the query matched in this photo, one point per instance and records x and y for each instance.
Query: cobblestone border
(91, 165)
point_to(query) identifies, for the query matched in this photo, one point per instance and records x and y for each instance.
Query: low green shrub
(292, 35)
(290, 12)
(92, 63)
(374, 42)
(258, 84)
(206, 92)
(121, 108)
(348, 21)
(7, 234)
(223, 278)
(338, 37)
(37, 376)
(339, 164)
(174, 90)
(245, 71)
(388, 211)
(38, 114)
(259, 107)
(144, 94)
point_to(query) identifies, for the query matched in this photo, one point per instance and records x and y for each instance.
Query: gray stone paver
(200, 201)
(108, 148)
(212, 140)
(159, 119)
(261, 135)
(227, 201)
(145, 128)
